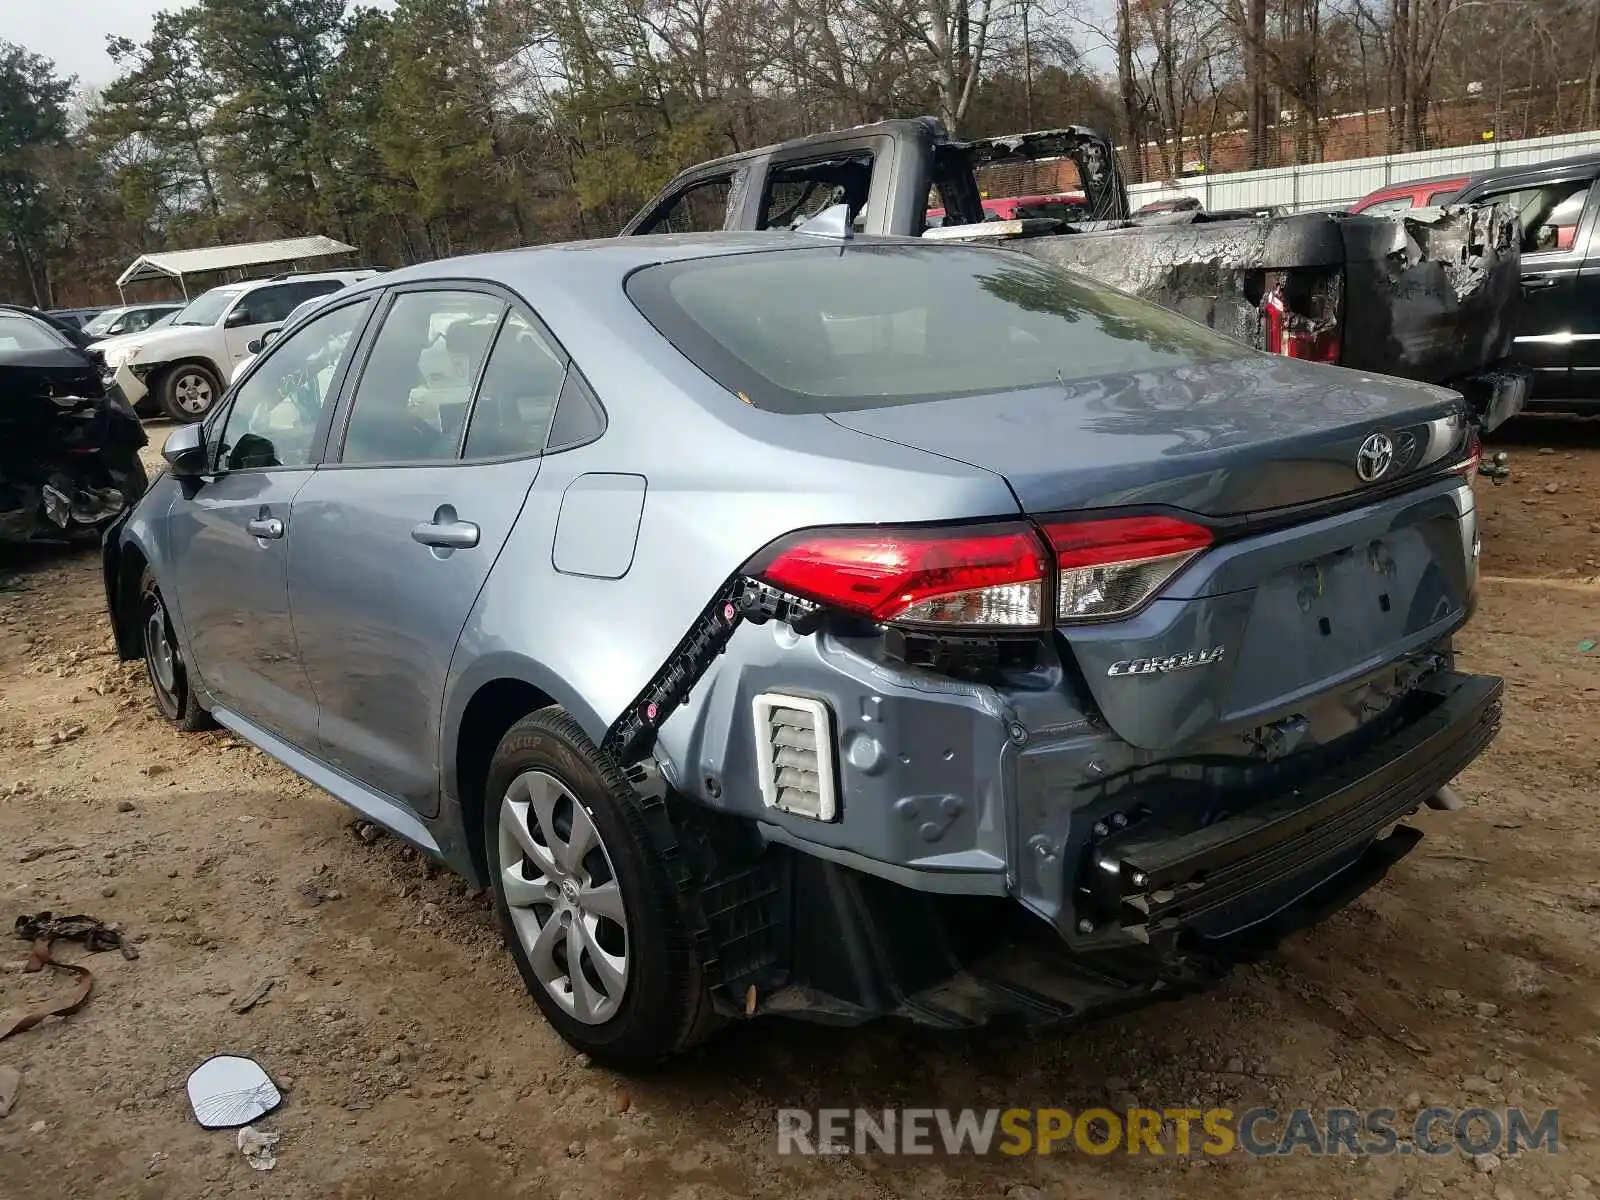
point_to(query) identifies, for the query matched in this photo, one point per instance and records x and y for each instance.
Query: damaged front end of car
(69, 450)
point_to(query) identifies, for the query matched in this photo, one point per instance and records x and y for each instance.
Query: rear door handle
(1533, 283)
(265, 527)
(446, 535)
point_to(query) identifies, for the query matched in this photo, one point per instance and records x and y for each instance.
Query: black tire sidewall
(168, 397)
(658, 1014)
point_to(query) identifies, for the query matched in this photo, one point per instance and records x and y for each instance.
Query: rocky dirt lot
(415, 1066)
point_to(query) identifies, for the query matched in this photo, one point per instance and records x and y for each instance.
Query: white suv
(182, 367)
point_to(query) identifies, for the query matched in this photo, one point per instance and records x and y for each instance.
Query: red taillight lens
(972, 576)
(1468, 466)
(1109, 568)
(1285, 335)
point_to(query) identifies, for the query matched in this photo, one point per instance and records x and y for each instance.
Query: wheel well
(494, 708)
(131, 566)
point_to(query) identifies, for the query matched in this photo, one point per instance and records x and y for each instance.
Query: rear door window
(830, 330)
(517, 399)
(1550, 213)
(796, 192)
(410, 403)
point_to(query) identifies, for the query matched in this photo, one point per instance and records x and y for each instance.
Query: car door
(430, 462)
(229, 535)
(1557, 216)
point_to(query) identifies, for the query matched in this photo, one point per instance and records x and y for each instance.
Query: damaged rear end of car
(69, 448)
(1178, 702)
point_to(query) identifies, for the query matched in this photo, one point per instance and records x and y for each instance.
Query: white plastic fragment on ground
(257, 1147)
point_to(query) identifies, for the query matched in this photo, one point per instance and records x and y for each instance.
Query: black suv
(1558, 330)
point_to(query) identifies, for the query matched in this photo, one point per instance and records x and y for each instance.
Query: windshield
(865, 326)
(22, 334)
(104, 321)
(208, 308)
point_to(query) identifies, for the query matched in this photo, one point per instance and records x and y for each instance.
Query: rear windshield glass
(22, 334)
(867, 326)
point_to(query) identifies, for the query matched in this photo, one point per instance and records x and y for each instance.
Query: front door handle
(446, 535)
(265, 527)
(1533, 283)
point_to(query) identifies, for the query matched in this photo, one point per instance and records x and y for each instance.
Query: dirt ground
(415, 1065)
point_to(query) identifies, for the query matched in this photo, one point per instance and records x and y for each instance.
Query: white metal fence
(1326, 185)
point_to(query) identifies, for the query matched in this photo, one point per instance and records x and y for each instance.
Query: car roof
(604, 262)
(1412, 185)
(1552, 166)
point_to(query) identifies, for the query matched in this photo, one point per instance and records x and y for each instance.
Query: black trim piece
(633, 733)
(1162, 878)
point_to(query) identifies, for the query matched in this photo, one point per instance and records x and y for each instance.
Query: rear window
(830, 330)
(22, 335)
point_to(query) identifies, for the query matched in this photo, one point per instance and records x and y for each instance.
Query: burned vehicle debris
(826, 625)
(69, 447)
(1432, 295)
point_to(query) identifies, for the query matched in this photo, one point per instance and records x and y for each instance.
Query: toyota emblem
(1374, 457)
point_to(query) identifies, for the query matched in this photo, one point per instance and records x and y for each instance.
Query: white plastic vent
(794, 755)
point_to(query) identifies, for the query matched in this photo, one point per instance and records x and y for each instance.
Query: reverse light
(1109, 568)
(971, 576)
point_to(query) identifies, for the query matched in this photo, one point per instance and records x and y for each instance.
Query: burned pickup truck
(1431, 295)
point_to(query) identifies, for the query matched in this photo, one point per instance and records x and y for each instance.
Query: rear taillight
(1314, 337)
(1109, 568)
(989, 576)
(974, 576)
(1468, 466)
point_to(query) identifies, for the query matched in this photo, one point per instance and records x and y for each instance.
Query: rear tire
(163, 662)
(568, 855)
(188, 391)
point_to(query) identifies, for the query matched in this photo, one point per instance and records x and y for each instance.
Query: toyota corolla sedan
(826, 626)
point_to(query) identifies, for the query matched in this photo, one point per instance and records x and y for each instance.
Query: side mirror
(255, 345)
(185, 450)
(238, 316)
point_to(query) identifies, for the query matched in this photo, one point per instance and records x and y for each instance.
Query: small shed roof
(174, 264)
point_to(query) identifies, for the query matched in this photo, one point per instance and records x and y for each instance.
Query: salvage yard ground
(416, 1066)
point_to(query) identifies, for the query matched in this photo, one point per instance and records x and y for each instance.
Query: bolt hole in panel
(598, 526)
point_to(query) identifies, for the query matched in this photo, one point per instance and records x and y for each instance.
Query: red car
(1416, 193)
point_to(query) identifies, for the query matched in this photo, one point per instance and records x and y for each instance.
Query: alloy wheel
(563, 897)
(192, 392)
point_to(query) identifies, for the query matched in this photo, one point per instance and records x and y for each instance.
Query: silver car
(827, 626)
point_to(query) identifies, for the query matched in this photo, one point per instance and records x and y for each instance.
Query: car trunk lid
(1341, 540)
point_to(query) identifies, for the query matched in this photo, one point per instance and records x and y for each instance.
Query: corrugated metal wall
(1326, 185)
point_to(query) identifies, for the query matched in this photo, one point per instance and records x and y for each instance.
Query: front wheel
(584, 901)
(188, 391)
(163, 662)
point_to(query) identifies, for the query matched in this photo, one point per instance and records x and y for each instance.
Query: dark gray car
(831, 627)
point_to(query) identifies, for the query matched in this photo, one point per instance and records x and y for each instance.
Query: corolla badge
(1172, 662)
(1374, 457)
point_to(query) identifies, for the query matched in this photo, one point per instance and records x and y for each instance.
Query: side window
(517, 400)
(274, 416)
(700, 208)
(412, 399)
(796, 192)
(1384, 208)
(299, 293)
(1436, 198)
(1550, 214)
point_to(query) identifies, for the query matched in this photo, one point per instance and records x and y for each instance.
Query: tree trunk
(1128, 87)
